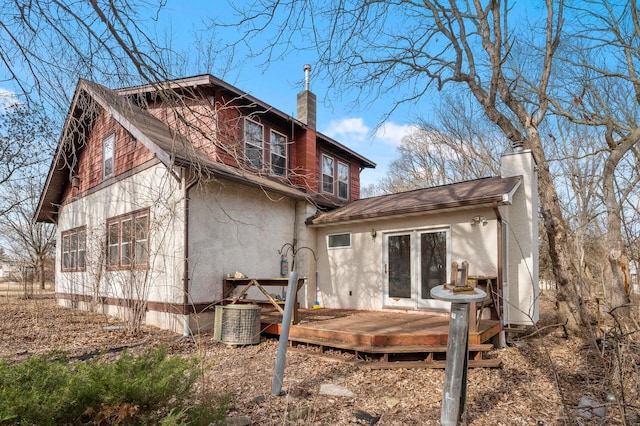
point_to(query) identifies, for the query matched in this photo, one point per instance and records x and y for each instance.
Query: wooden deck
(384, 336)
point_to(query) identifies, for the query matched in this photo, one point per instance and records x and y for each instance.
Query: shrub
(50, 389)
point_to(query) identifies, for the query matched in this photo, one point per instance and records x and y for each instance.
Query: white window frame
(341, 181)
(332, 176)
(331, 246)
(273, 146)
(108, 155)
(252, 143)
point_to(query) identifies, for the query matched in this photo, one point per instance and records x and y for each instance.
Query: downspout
(186, 186)
(499, 284)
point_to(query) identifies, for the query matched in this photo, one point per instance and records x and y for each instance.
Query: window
(253, 143)
(127, 240)
(108, 149)
(74, 242)
(343, 180)
(327, 174)
(339, 240)
(332, 168)
(278, 154)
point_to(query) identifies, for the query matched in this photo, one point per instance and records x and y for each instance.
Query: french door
(415, 262)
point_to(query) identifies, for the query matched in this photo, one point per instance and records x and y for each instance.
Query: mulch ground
(545, 378)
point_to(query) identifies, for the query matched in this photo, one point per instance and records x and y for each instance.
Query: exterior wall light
(479, 219)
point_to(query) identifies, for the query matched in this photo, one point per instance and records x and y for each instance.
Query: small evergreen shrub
(50, 389)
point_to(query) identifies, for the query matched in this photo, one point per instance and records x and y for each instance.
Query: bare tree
(29, 242)
(469, 45)
(46, 44)
(445, 150)
(602, 91)
(25, 139)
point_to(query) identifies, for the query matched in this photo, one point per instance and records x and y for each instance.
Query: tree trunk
(616, 277)
(570, 309)
(41, 273)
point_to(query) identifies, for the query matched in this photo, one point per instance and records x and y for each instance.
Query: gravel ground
(542, 380)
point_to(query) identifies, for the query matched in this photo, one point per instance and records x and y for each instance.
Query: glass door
(434, 263)
(400, 289)
(415, 262)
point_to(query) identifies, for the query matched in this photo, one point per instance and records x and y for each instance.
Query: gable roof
(485, 191)
(168, 146)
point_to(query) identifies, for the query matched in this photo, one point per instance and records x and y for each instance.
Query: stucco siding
(153, 189)
(521, 286)
(354, 277)
(238, 228)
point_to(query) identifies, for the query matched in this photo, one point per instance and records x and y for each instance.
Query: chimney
(307, 102)
(521, 248)
(306, 150)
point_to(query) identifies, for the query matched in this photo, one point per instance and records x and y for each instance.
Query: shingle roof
(485, 191)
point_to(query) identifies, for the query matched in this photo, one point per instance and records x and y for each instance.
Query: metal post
(454, 397)
(281, 358)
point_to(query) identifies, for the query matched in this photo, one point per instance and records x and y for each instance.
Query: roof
(485, 191)
(168, 146)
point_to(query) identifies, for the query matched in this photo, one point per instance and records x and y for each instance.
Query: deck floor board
(379, 333)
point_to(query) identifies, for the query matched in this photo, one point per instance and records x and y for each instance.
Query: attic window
(278, 154)
(343, 180)
(253, 143)
(108, 149)
(335, 177)
(327, 174)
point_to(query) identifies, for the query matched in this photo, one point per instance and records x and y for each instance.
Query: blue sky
(278, 84)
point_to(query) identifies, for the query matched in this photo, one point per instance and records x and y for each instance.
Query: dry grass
(542, 380)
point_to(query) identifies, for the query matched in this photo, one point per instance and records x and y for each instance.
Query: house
(160, 191)
(388, 252)
(9, 269)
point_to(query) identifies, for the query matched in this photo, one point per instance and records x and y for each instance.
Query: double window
(332, 168)
(74, 243)
(255, 149)
(127, 240)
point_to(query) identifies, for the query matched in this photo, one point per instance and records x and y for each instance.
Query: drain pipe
(186, 186)
(499, 284)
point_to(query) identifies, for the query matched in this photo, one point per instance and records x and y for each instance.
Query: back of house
(161, 191)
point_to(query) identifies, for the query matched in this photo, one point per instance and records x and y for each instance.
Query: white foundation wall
(239, 228)
(153, 188)
(354, 278)
(521, 287)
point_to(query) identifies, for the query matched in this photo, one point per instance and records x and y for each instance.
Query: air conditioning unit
(237, 324)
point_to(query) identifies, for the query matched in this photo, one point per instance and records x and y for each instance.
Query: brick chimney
(306, 142)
